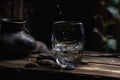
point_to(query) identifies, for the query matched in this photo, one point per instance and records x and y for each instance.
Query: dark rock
(40, 48)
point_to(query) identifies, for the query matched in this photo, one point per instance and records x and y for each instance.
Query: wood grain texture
(100, 68)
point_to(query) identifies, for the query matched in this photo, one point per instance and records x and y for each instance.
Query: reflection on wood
(95, 67)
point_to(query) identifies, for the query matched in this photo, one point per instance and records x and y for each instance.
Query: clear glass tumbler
(68, 43)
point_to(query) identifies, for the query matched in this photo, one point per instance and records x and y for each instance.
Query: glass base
(67, 63)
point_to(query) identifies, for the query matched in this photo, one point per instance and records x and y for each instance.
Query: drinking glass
(68, 43)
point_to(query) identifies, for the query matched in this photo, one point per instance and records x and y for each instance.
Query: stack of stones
(44, 58)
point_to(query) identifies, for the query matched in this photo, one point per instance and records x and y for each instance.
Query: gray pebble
(45, 62)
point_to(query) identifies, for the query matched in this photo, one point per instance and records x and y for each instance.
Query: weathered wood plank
(95, 66)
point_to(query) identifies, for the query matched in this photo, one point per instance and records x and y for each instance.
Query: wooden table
(97, 67)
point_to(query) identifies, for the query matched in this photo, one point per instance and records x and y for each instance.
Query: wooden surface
(95, 67)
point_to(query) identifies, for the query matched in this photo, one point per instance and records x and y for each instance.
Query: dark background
(40, 15)
(45, 12)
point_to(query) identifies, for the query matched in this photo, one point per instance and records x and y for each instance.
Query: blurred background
(101, 19)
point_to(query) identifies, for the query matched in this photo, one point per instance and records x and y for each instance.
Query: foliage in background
(107, 15)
